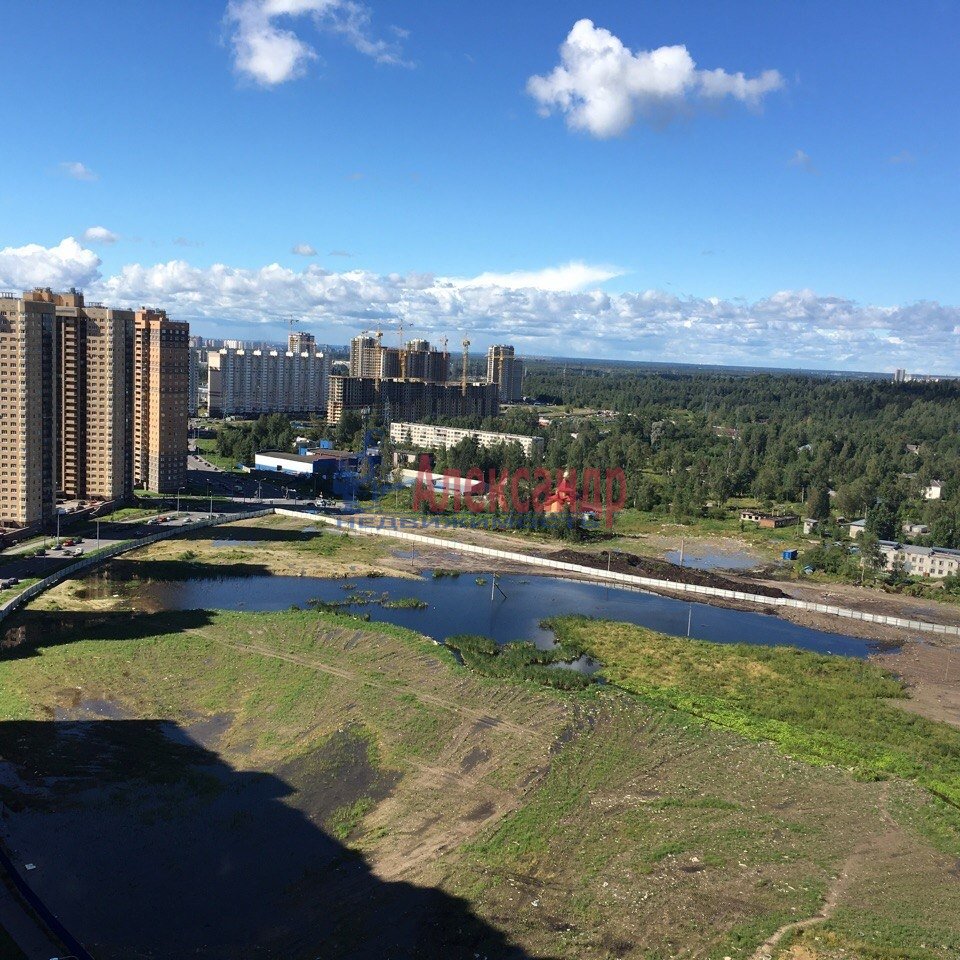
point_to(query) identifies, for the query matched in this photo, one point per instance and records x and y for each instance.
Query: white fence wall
(377, 528)
(626, 579)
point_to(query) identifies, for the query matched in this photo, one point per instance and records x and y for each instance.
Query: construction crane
(403, 349)
(290, 323)
(466, 360)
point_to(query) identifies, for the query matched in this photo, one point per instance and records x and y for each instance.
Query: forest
(690, 443)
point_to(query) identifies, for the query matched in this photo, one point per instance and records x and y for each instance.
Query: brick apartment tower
(95, 396)
(28, 410)
(161, 401)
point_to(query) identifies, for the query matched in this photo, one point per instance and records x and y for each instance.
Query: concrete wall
(381, 529)
(626, 579)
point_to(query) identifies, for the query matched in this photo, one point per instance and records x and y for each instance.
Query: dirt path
(476, 716)
(878, 847)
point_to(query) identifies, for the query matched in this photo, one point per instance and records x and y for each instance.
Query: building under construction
(409, 382)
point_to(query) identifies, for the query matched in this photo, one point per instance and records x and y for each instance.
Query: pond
(468, 604)
(706, 559)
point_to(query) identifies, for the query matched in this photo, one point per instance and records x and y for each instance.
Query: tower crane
(466, 359)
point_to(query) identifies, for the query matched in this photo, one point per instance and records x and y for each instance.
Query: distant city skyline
(662, 182)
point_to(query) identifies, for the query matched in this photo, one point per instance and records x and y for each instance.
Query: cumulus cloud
(268, 52)
(602, 87)
(68, 264)
(99, 235)
(571, 276)
(789, 328)
(77, 171)
(303, 250)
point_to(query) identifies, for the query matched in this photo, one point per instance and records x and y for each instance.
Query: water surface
(512, 612)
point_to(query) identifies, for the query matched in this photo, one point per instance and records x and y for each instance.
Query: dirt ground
(932, 675)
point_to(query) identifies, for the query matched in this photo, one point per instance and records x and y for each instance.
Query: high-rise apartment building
(366, 357)
(161, 387)
(28, 410)
(73, 379)
(505, 370)
(416, 360)
(300, 341)
(409, 400)
(95, 395)
(255, 382)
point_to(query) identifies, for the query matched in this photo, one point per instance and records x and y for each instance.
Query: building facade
(506, 370)
(95, 394)
(28, 410)
(161, 401)
(255, 382)
(386, 400)
(415, 360)
(427, 436)
(932, 562)
(71, 384)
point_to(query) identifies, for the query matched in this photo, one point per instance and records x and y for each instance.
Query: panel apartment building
(254, 382)
(408, 399)
(71, 380)
(506, 370)
(427, 436)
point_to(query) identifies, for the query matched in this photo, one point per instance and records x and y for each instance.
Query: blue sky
(807, 217)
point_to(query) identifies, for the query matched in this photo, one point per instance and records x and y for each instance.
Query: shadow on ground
(148, 845)
(32, 630)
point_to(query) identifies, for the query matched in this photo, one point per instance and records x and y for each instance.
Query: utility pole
(682, 542)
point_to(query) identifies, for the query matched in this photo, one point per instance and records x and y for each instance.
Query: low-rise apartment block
(930, 562)
(427, 436)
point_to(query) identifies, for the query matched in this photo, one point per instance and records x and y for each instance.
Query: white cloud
(99, 235)
(270, 53)
(572, 276)
(903, 157)
(789, 328)
(66, 265)
(303, 250)
(602, 87)
(187, 242)
(804, 161)
(77, 171)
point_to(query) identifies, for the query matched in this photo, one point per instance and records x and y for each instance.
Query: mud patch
(341, 772)
(476, 756)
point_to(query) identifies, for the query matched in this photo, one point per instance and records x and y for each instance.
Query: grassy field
(585, 824)
(822, 709)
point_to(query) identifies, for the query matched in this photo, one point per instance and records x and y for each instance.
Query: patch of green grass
(405, 603)
(822, 709)
(519, 661)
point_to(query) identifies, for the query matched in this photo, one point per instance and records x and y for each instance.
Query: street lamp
(98, 533)
(178, 499)
(210, 492)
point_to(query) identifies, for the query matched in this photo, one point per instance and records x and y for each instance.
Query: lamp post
(178, 499)
(210, 493)
(98, 533)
